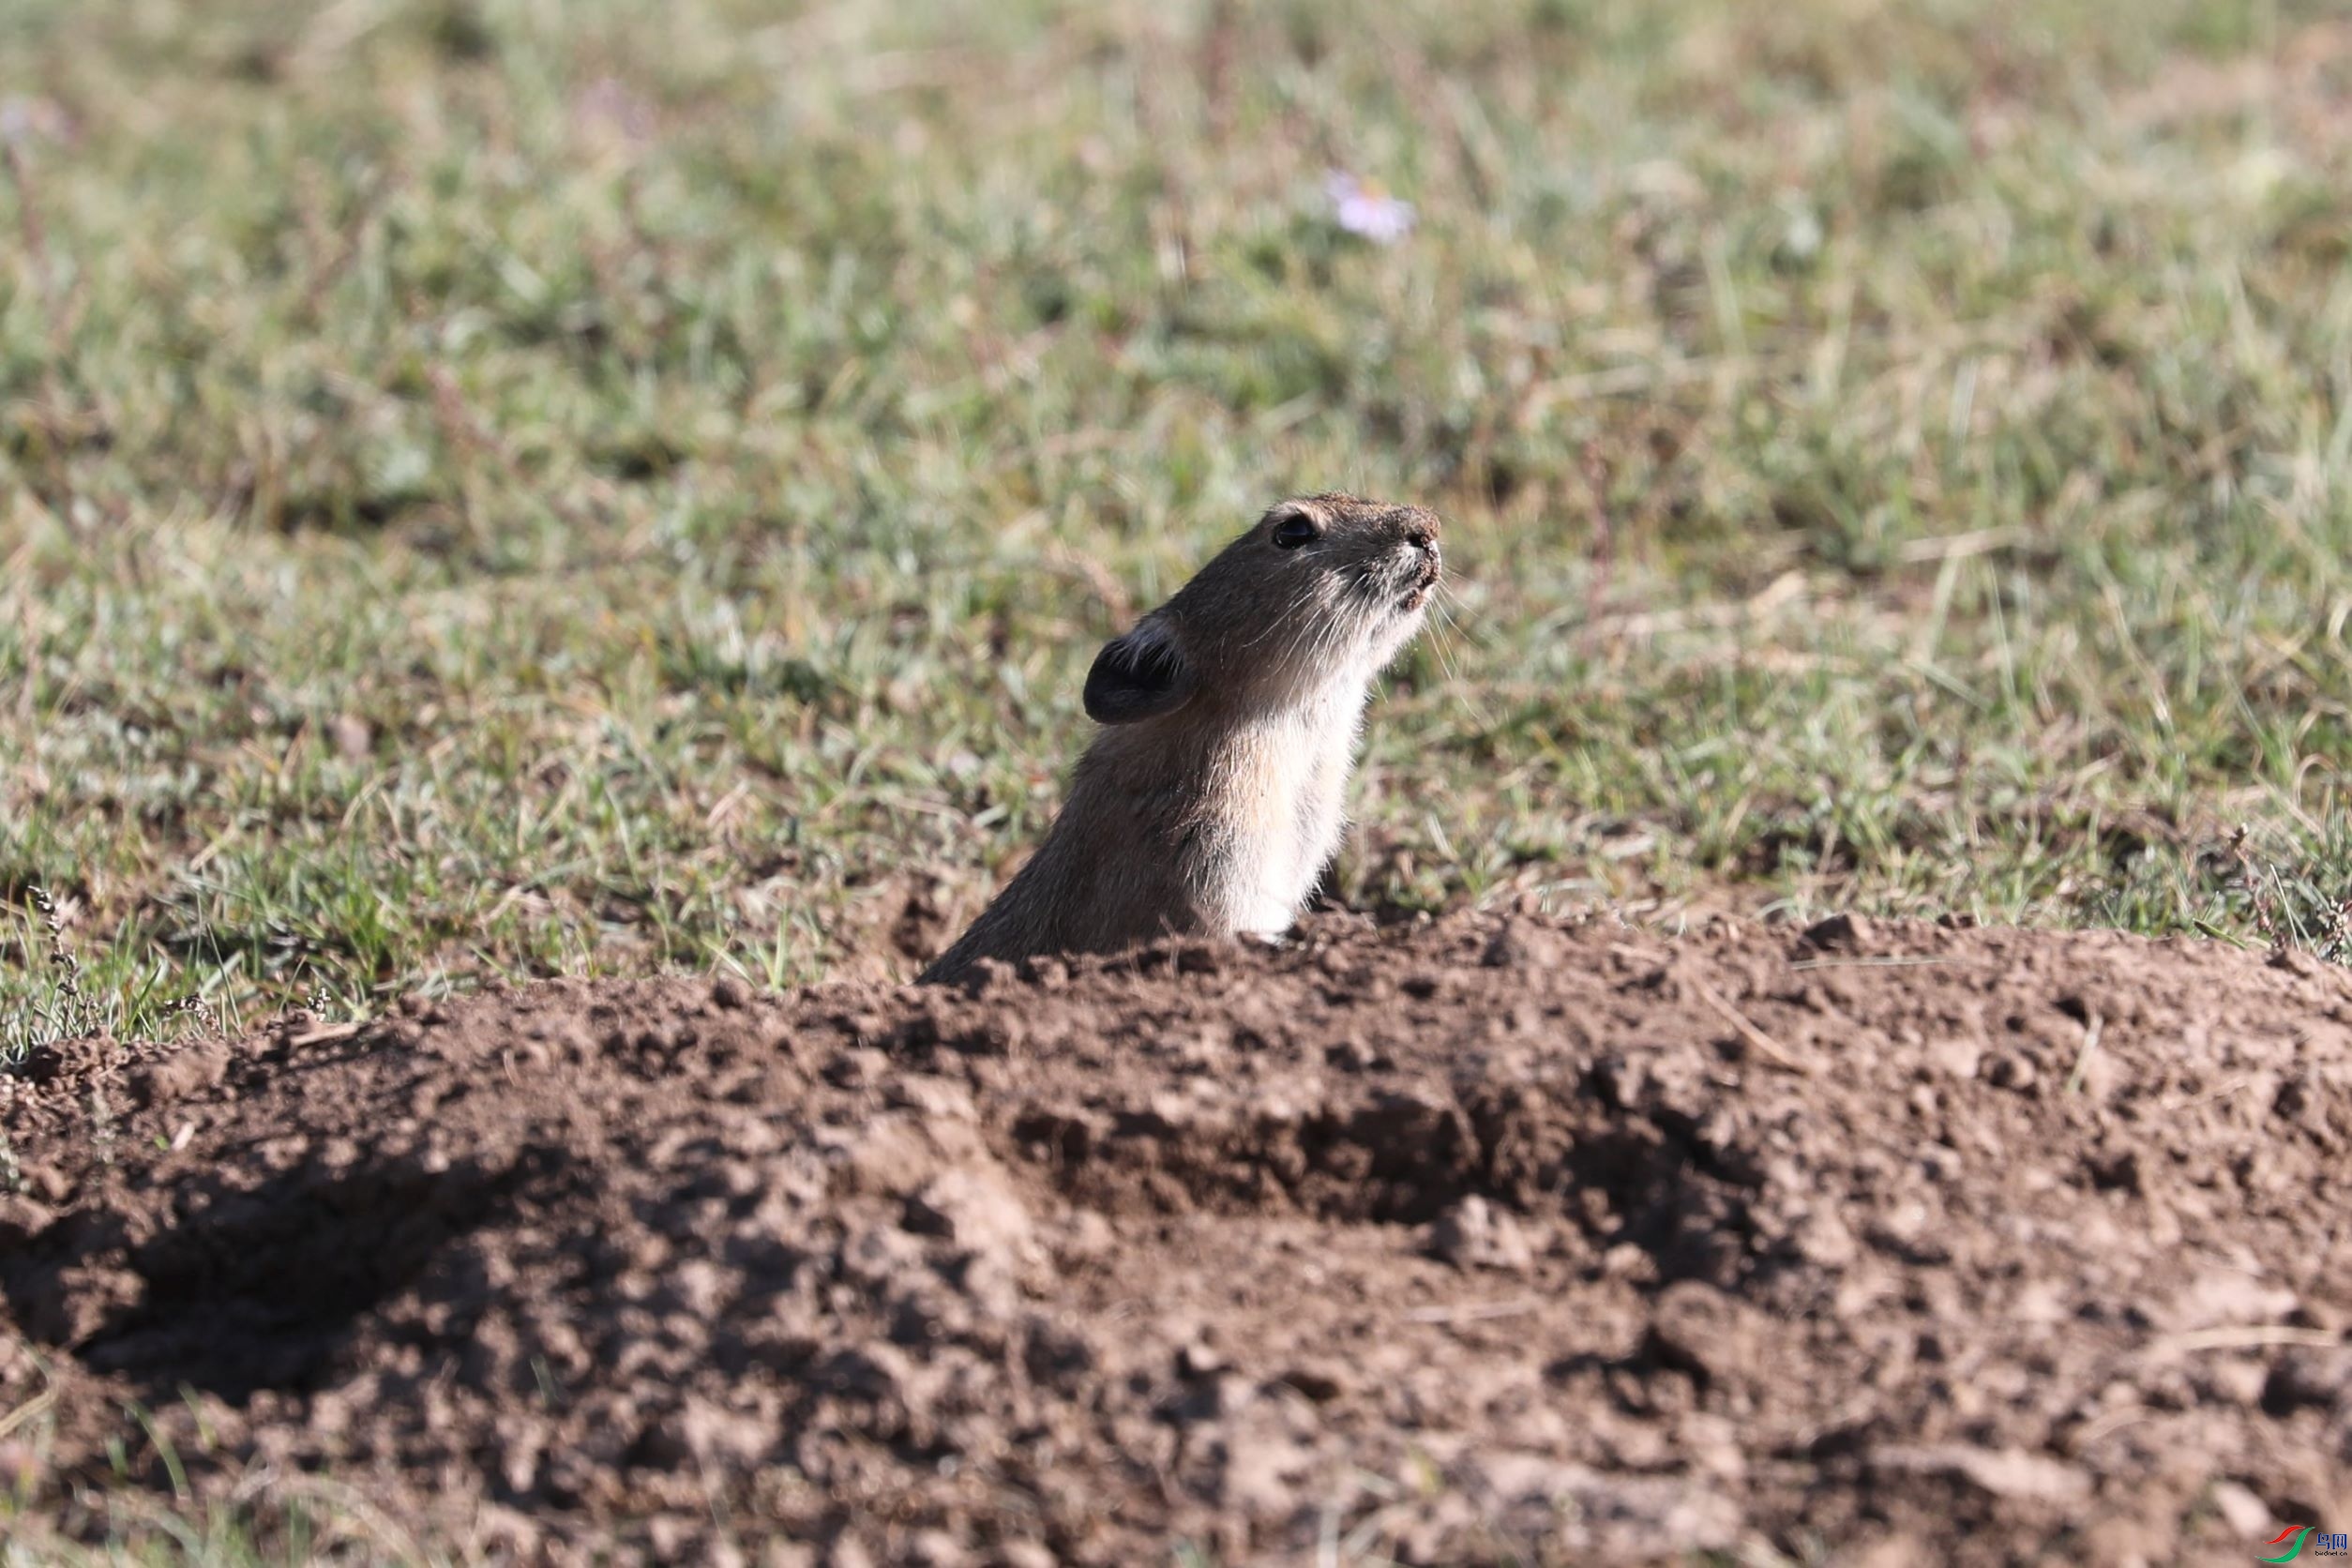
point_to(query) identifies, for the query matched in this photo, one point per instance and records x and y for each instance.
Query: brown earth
(1486, 1239)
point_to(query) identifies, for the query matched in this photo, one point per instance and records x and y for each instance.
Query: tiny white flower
(1367, 209)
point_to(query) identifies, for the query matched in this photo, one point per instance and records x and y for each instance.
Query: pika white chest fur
(1289, 780)
(1216, 795)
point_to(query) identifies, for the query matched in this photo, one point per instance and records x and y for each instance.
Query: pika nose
(1422, 536)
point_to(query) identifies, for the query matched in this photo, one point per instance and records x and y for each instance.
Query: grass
(266, 1519)
(488, 487)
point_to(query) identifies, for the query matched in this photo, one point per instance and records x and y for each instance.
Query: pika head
(1318, 595)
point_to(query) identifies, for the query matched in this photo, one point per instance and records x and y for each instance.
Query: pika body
(1212, 800)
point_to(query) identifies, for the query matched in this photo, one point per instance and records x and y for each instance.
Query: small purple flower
(32, 119)
(1367, 209)
(609, 112)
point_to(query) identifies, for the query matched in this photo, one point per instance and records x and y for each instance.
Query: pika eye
(1294, 530)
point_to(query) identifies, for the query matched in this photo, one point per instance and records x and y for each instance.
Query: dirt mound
(1486, 1240)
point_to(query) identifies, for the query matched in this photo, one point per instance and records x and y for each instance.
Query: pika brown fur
(1212, 801)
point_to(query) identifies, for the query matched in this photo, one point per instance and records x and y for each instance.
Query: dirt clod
(1480, 1240)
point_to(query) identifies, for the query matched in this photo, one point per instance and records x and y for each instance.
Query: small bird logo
(2298, 1532)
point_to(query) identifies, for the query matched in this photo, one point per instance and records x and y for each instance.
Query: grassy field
(494, 488)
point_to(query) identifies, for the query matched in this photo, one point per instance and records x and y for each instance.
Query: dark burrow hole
(1405, 1160)
(258, 1289)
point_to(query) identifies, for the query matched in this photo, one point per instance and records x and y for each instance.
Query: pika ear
(1139, 676)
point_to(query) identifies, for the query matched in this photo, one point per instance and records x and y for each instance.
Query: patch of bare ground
(1487, 1239)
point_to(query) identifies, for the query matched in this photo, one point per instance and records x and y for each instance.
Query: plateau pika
(1211, 800)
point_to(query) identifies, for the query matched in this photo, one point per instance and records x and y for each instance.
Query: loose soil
(1490, 1239)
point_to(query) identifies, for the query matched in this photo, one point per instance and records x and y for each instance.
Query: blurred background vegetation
(508, 488)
